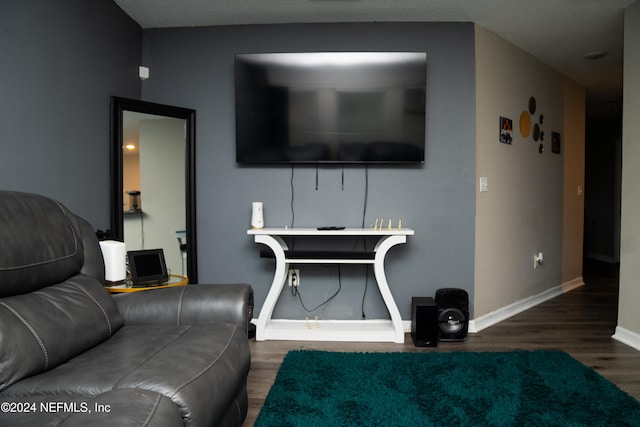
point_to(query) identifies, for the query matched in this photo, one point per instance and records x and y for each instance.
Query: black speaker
(424, 321)
(453, 314)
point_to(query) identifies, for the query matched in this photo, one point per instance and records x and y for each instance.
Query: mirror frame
(118, 107)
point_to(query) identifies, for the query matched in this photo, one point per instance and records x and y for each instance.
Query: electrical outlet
(294, 277)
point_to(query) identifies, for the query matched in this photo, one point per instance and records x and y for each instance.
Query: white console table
(329, 330)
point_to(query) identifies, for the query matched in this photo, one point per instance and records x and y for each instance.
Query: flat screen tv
(330, 107)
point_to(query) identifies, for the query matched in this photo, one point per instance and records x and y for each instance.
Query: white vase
(115, 263)
(257, 215)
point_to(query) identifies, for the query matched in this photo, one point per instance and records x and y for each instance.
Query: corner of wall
(628, 313)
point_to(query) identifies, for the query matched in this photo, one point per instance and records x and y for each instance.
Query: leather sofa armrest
(188, 305)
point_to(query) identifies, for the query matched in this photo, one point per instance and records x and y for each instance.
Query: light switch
(484, 184)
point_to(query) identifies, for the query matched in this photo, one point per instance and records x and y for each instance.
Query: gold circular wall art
(525, 124)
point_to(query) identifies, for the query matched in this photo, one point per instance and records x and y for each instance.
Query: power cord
(364, 240)
(295, 291)
(293, 214)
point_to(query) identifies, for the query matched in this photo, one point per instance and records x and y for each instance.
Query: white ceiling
(558, 32)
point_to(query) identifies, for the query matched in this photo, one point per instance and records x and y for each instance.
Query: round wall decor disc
(536, 132)
(532, 105)
(525, 124)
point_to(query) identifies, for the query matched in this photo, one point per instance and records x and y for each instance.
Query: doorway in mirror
(154, 171)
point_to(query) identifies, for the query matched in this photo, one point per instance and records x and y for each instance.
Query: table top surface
(308, 231)
(174, 280)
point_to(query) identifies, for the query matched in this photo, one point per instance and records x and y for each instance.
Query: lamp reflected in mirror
(134, 201)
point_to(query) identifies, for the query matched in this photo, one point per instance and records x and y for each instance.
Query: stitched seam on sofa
(33, 331)
(180, 387)
(239, 411)
(75, 284)
(151, 356)
(49, 261)
(179, 314)
(152, 411)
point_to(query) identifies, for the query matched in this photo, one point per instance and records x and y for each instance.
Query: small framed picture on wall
(555, 142)
(506, 130)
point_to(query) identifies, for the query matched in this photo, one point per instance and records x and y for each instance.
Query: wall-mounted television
(330, 107)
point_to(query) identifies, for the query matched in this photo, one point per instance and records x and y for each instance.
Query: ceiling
(558, 32)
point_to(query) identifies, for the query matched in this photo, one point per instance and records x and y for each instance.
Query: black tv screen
(330, 107)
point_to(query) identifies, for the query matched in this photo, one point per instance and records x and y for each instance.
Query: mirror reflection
(153, 178)
(153, 181)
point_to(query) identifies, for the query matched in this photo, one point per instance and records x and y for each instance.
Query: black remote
(331, 228)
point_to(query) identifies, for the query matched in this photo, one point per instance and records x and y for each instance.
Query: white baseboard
(407, 326)
(497, 316)
(627, 337)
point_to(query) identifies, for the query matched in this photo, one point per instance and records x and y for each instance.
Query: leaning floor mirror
(153, 181)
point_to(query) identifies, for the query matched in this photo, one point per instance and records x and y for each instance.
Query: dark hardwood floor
(580, 322)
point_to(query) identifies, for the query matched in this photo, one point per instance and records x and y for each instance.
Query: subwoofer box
(424, 321)
(453, 314)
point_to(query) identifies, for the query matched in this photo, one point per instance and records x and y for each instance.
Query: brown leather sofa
(73, 355)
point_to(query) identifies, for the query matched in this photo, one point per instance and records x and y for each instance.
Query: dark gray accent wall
(61, 61)
(193, 67)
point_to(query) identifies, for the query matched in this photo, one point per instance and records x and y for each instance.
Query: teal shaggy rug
(519, 388)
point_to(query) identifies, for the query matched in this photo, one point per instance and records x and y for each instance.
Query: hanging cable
(293, 214)
(295, 291)
(364, 240)
(366, 286)
(366, 195)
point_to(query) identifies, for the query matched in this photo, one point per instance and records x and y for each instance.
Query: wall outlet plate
(294, 277)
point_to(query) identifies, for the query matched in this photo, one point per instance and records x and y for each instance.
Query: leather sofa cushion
(41, 247)
(42, 329)
(183, 363)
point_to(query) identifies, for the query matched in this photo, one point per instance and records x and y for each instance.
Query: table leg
(382, 247)
(278, 246)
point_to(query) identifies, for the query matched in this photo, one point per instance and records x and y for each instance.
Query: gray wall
(628, 329)
(61, 61)
(193, 67)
